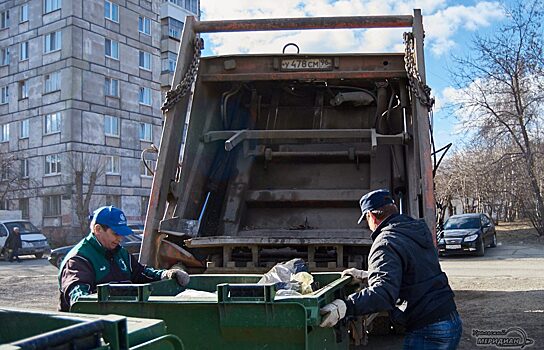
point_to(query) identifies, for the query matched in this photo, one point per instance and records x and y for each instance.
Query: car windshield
(462, 223)
(24, 227)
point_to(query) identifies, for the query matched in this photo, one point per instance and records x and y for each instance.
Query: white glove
(181, 276)
(332, 313)
(356, 274)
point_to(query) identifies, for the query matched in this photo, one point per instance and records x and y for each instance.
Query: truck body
(280, 147)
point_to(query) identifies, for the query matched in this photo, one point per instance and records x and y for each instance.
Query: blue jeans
(442, 335)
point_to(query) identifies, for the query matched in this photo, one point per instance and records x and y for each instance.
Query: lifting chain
(175, 95)
(420, 90)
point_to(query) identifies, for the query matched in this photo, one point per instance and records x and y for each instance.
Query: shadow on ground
(484, 310)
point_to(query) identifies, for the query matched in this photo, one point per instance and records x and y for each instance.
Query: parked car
(137, 228)
(32, 240)
(131, 242)
(467, 233)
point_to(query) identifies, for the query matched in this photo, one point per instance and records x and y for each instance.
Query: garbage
(192, 294)
(292, 276)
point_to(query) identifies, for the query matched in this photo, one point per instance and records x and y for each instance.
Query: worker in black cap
(404, 278)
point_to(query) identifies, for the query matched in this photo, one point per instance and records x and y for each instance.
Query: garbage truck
(279, 149)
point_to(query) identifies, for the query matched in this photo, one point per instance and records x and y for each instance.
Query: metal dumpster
(22, 329)
(242, 315)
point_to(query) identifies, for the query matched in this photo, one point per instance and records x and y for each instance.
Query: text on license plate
(306, 64)
(453, 246)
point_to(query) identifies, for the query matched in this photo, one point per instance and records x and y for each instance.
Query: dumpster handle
(155, 343)
(228, 293)
(63, 336)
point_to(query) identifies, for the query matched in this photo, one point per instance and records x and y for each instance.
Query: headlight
(471, 238)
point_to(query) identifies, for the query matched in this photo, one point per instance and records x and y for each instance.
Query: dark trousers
(14, 254)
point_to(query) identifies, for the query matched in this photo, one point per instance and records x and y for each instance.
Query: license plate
(311, 64)
(453, 246)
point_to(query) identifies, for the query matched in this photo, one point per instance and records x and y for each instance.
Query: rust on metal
(346, 22)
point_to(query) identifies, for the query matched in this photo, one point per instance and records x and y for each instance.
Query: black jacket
(403, 266)
(13, 241)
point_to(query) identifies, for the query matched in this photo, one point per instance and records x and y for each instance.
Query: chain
(420, 90)
(175, 95)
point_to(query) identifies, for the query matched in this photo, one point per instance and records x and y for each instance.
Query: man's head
(376, 206)
(16, 229)
(109, 224)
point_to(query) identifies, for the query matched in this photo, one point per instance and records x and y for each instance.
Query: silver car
(32, 240)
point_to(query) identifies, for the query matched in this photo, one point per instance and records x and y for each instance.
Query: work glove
(332, 313)
(181, 276)
(360, 275)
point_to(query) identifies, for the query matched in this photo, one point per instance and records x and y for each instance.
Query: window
(144, 25)
(24, 168)
(111, 125)
(144, 202)
(4, 56)
(111, 87)
(169, 64)
(52, 123)
(146, 132)
(24, 207)
(175, 28)
(52, 164)
(4, 133)
(111, 11)
(112, 49)
(51, 205)
(145, 96)
(23, 51)
(191, 5)
(4, 19)
(23, 89)
(112, 165)
(25, 128)
(23, 13)
(4, 95)
(52, 42)
(51, 5)
(52, 82)
(113, 199)
(145, 60)
(4, 204)
(4, 173)
(144, 171)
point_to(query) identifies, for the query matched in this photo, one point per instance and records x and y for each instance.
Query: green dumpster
(242, 315)
(23, 329)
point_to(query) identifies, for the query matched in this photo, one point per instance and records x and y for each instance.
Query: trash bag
(290, 275)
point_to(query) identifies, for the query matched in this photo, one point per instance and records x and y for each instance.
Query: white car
(32, 240)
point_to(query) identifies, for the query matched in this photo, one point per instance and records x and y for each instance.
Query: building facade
(81, 85)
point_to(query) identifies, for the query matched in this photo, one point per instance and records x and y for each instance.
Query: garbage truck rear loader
(280, 147)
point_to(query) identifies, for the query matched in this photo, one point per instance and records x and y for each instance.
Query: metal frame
(165, 189)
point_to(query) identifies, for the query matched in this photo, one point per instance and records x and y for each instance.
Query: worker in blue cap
(98, 259)
(404, 278)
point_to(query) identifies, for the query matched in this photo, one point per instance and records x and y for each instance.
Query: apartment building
(81, 85)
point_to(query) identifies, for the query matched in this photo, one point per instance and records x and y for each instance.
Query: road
(503, 289)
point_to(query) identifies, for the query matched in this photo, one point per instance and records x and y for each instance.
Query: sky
(449, 26)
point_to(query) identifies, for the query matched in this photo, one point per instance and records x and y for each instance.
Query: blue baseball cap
(374, 200)
(113, 218)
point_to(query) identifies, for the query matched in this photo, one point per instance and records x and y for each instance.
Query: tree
(87, 168)
(501, 96)
(12, 177)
